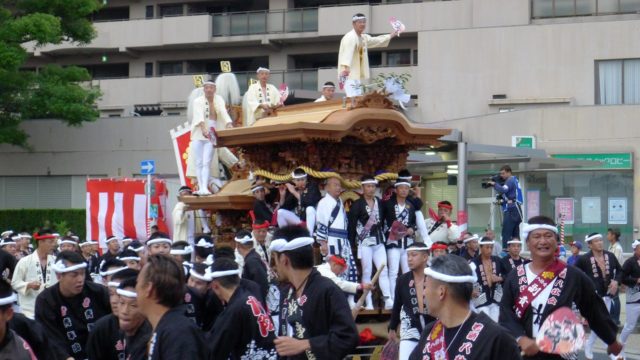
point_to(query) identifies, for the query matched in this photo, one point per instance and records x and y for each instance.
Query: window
(149, 12)
(148, 69)
(108, 71)
(618, 82)
(375, 58)
(171, 10)
(402, 57)
(170, 68)
(112, 13)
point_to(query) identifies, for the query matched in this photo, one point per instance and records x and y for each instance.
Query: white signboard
(591, 210)
(618, 211)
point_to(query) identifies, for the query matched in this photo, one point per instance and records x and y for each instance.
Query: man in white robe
(261, 98)
(353, 58)
(183, 221)
(209, 114)
(34, 273)
(331, 222)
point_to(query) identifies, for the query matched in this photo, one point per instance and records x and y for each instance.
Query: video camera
(495, 178)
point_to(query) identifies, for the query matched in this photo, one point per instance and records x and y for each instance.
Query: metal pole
(148, 194)
(462, 187)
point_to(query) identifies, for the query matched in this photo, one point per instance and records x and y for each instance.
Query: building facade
(565, 72)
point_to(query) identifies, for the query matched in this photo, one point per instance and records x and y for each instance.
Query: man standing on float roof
(353, 58)
(261, 98)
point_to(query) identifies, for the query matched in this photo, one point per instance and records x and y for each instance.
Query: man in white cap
(631, 278)
(535, 290)
(159, 243)
(470, 248)
(261, 98)
(209, 115)
(513, 258)
(34, 273)
(7, 258)
(328, 89)
(353, 57)
(69, 309)
(409, 308)
(459, 333)
(254, 268)
(113, 248)
(23, 245)
(603, 268)
(298, 202)
(490, 272)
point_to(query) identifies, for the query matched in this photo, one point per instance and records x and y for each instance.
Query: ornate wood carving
(371, 134)
(374, 100)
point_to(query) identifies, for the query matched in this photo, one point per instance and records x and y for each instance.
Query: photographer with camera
(508, 187)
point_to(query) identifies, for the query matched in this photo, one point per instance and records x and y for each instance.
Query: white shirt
(539, 301)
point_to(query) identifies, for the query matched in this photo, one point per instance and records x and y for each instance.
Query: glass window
(402, 57)
(112, 13)
(148, 69)
(171, 10)
(375, 58)
(170, 68)
(618, 82)
(149, 12)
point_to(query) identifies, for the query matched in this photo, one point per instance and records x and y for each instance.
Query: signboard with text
(565, 209)
(618, 161)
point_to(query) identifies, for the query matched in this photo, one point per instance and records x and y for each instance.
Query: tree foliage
(52, 91)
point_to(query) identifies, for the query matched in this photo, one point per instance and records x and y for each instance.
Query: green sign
(607, 161)
(528, 142)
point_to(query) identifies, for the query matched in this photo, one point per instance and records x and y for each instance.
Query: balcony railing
(541, 9)
(265, 22)
(302, 79)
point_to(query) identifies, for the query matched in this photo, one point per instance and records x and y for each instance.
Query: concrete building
(564, 72)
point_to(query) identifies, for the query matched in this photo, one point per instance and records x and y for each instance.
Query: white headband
(88, 242)
(298, 243)
(635, 244)
(204, 244)
(3, 243)
(358, 17)
(158, 241)
(262, 69)
(298, 176)
(514, 242)
(458, 279)
(60, 267)
(208, 82)
(588, 238)
(138, 249)
(328, 86)
(8, 300)
(186, 251)
(17, 237)
(67, 242)
(111, 239)
(199, 276)
(5, 233)
(532, 227)
(26, 236)
(112, 271)
(127, 258)
(370, 181)
(127, 293)
(113, 284)
(486, 242)
(277, 245)
(416, 248)
(244, 240)
(256, 188)
(398, 183)
(473, 237)
(208, 260)
(218, 274)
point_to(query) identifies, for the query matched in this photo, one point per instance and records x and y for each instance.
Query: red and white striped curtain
(119, 207)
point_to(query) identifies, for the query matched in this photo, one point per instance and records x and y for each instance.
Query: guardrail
(265, 22)
(542, 9)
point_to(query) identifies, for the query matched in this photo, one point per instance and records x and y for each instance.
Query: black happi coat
(194, 307)
(262, 212)
(244, 330)
(508, 263)
(389, 211)
(14, 347)
(490, 292)
(33, 333)
(256, 270)
(576, 288)
(108, 342)
(176, 337)
(630, 276)
(310, 196)
(322, 315)
(405, 309)
(585, 263)
(489, 341)
(68, 321)
(358, 217)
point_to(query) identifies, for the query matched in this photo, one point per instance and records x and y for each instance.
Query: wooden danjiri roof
(371, 122)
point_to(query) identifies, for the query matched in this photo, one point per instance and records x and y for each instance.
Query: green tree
(52, 91)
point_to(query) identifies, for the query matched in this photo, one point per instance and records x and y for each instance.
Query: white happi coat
(256, 97)
(220, 154)
(443, 233)
(336, 234)
(183, 223)
(27, 270)
(353, 53)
